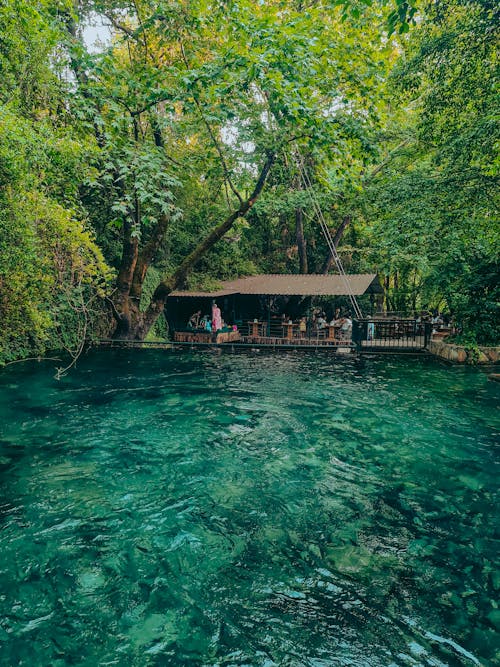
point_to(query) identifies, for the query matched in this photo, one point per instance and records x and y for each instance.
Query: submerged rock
(494, 618)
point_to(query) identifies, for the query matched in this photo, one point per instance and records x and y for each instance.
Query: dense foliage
(52, 272)
(436, 209)
(175, 154)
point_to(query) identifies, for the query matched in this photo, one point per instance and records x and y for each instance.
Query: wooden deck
(337, 346)
(279, 341)
(206, 337)
(265, 343)
(391, 337)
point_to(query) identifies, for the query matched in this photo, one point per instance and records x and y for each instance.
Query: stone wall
(462, 355)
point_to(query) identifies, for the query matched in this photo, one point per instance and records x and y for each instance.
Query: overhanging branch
(178, 278)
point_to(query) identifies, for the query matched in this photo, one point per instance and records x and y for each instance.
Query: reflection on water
(288, 510)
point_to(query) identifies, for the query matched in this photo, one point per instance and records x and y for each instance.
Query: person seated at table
(321, 322)
(425, 316)
(346, 327)
(336, 316)
(194, 320)
(205, 323)
(436, 321)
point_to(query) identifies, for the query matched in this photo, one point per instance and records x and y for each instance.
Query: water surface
(290, 510)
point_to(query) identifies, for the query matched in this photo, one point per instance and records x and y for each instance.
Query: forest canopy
(170, 156)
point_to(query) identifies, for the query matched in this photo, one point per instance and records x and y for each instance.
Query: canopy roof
(294, 284)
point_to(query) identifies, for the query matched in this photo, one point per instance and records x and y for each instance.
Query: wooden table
(332, 332)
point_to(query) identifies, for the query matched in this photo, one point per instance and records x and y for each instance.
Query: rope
(326, 232)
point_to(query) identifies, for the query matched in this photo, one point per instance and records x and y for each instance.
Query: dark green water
(195, 509)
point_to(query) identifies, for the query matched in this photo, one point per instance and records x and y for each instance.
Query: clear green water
(196, 509)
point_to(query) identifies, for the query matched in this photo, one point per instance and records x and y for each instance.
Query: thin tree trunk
(414, 293)
(301, 241)
(386, 293)
(79, 71)
(346, 221)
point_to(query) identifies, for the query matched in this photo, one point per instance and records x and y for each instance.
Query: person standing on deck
(302, 327)
(216, 317)
(370, 331)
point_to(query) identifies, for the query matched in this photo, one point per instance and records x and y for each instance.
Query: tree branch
(159, 141)
(179, 277)
(116, 314)
(122, 28)
(212, 135)
(385, 162)
(327, 265)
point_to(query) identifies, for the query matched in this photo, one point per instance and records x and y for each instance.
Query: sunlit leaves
(50, 265)
(142, 183)
(400, 16)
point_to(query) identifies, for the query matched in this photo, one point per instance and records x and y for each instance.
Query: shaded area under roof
(294, 284)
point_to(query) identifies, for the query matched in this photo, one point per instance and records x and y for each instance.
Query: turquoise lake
(268, 510)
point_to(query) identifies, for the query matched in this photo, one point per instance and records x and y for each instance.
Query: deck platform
(275, 343)
(369, 337)
(206, 337)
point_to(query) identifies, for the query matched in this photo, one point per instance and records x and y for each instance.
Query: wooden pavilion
(265, 308)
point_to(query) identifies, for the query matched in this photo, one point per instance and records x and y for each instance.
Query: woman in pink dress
(216, 318)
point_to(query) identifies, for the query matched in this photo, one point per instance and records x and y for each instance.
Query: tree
(51, 270)
(434, 225)
(230, 90)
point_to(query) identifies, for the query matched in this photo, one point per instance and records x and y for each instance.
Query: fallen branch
(20, 361)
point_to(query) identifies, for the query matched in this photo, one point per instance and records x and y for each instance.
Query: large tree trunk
(134, 324)
(146, 256)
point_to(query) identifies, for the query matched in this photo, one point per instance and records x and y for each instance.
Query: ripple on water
(288, 510)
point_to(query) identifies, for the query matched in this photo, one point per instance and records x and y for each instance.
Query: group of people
(316, 323)
(319, 322)
(342, 322)
(212, 322)
(436, 318)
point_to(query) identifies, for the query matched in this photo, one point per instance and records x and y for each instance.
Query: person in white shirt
(346, 327)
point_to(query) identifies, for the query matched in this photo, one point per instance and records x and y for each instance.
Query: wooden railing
(296, 333)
